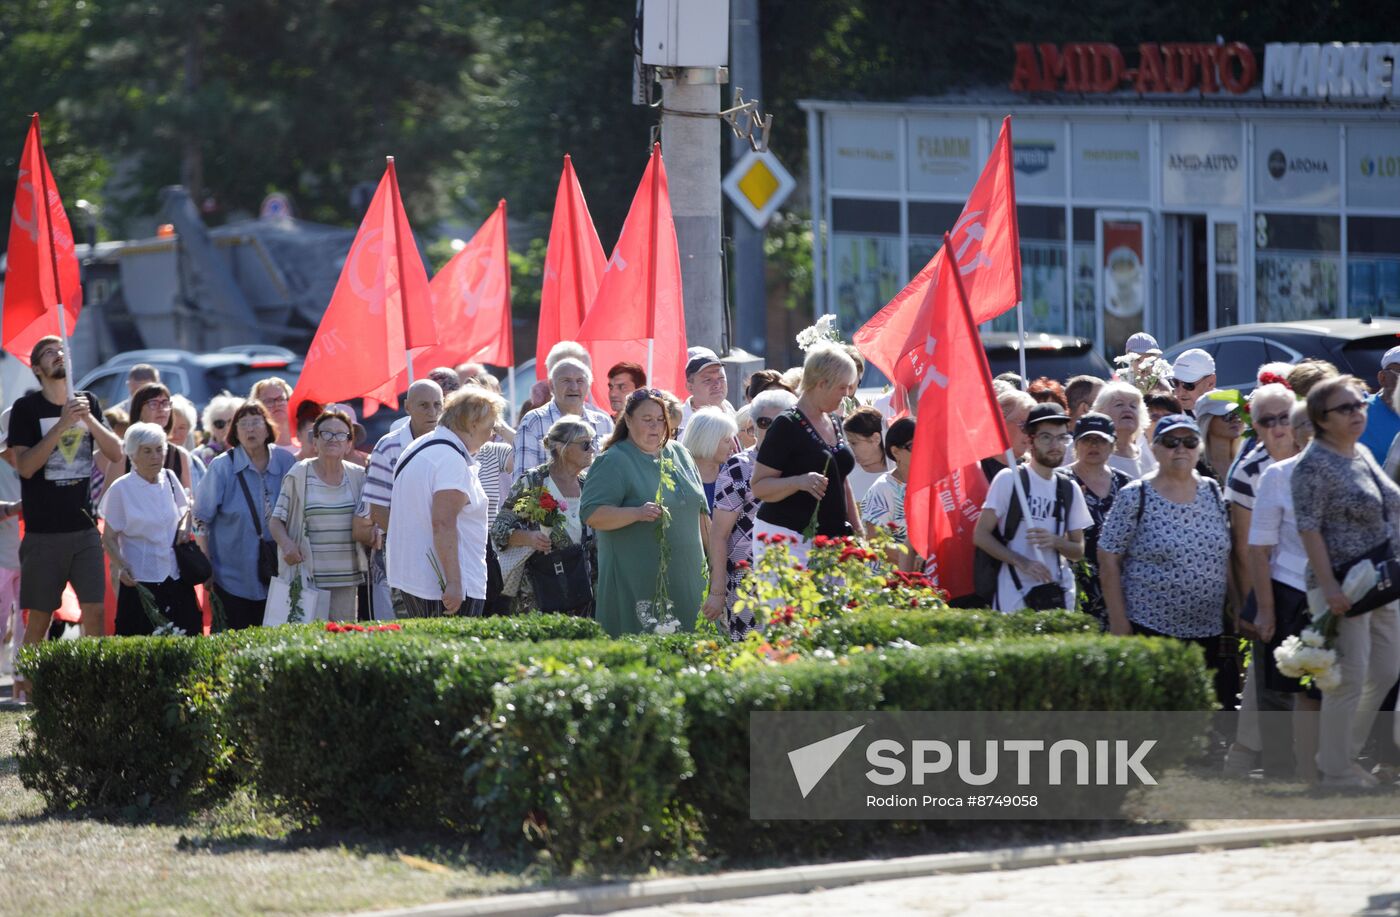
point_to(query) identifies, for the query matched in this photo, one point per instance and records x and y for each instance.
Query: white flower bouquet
(823, 330)
(1310, 657)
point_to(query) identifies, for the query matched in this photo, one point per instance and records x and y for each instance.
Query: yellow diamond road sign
(758, 185)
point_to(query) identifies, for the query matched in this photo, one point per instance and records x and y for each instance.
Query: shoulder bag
(193, 564)
(267, 549)
(561, 578)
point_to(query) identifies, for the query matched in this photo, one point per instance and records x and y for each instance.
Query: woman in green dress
(623, 500)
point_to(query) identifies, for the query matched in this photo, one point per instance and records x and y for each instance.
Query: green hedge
(363, 732)
(589, 764)
(140, 720)
(880, 627)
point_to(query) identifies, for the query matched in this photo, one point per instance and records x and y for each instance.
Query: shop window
(927, 224)
(1297, 266)
(865, 259)
(1373, 266)
(1044, 273)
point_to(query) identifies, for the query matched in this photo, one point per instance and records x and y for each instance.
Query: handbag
(561, 578)
(1374, 578)
(315, 604)
(267, 549)
(194, 566)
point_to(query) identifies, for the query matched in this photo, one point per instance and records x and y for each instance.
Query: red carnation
(548, 503)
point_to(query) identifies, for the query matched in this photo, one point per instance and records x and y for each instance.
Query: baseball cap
(1143, 343)
(701, 360)
(1175, 422)
(1093, 424)
(1391, 356)
(1193, 365)
(1216, 403)
(1042, 413)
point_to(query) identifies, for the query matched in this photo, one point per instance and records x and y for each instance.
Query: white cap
(1143, 343)
(1193, 365)
(1215, 403)
(1391, 356)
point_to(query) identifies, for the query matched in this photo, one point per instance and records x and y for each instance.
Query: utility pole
(690, 145)
(750, 281)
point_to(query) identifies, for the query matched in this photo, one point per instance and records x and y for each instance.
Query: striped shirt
(327, 519)
(1244, 480)
(529, 450)
(379, 477)
(492, 459)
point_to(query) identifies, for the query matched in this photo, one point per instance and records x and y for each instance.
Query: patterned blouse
(1175, 557)
(734, 493)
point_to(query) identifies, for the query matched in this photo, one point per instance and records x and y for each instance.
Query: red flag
(640, 297)
(987, 249)
(471, 303)
(959, 425)
(41, 248)
(359, 348)
(573, 267)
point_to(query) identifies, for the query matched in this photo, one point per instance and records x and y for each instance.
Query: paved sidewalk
(1359, 877)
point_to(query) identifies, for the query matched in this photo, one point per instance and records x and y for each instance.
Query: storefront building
(1205, 187)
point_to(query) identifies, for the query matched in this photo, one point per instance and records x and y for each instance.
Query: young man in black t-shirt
(52, 440)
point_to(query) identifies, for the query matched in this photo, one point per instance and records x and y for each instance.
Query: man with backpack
(1034, 546)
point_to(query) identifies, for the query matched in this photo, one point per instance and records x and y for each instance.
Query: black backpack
(985, 567)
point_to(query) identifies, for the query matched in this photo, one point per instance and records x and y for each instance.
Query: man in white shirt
(707, 383)
(570, 380)
(1043, 548)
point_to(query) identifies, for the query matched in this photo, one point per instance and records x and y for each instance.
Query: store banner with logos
(1296, 164)
(1202, 166)
(1373, 166)
(864, 152)
(1111, 162)
(942, 155)
(1038, 157)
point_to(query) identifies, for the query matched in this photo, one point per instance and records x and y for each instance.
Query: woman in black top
(800, 473)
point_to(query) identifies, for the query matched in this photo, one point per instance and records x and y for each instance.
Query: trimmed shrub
(523, 628)
(362, 732)
(588, 763)
(119, 722)
(925, 627)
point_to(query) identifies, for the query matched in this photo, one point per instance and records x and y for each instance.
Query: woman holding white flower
(1343, 502)
(142, 513)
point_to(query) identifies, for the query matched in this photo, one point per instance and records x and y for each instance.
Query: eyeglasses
(50, 352)
(585, 444)
(333, 436)
(158, 403)
(763, 423)
(1051, 439)
(272, 402)
(1274, 420)
(1349, 409)
(1187, 386)
(1172, 442)
(251, 422)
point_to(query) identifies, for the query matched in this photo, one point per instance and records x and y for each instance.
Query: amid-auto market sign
(1173, 68)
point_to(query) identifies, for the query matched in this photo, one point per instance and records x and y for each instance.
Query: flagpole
(651, 352)
(514, 405)
(53, 258)
(1021, 333)
(398, 256)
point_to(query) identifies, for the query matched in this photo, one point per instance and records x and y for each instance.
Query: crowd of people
(1150, 501)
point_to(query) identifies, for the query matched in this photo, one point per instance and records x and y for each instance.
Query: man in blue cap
(1382, 423)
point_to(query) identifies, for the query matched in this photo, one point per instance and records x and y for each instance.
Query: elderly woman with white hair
(524, 542)
(215, 420)
(730, 542)
(569, 379)
(143, 512)
(1015, 407)
(1123, 404)
(801, 468)
(709, 438)
(440, 568)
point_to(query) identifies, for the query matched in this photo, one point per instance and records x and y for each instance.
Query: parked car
(1353, 345)
(1060, 357)
(201, 376)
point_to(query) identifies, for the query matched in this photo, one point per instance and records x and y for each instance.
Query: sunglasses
(1274, 420)
(1349, 409)
(585, 444)
(1187, 386)
(1171, 442)
(642, 393)
(763, 423)
(220, 423)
